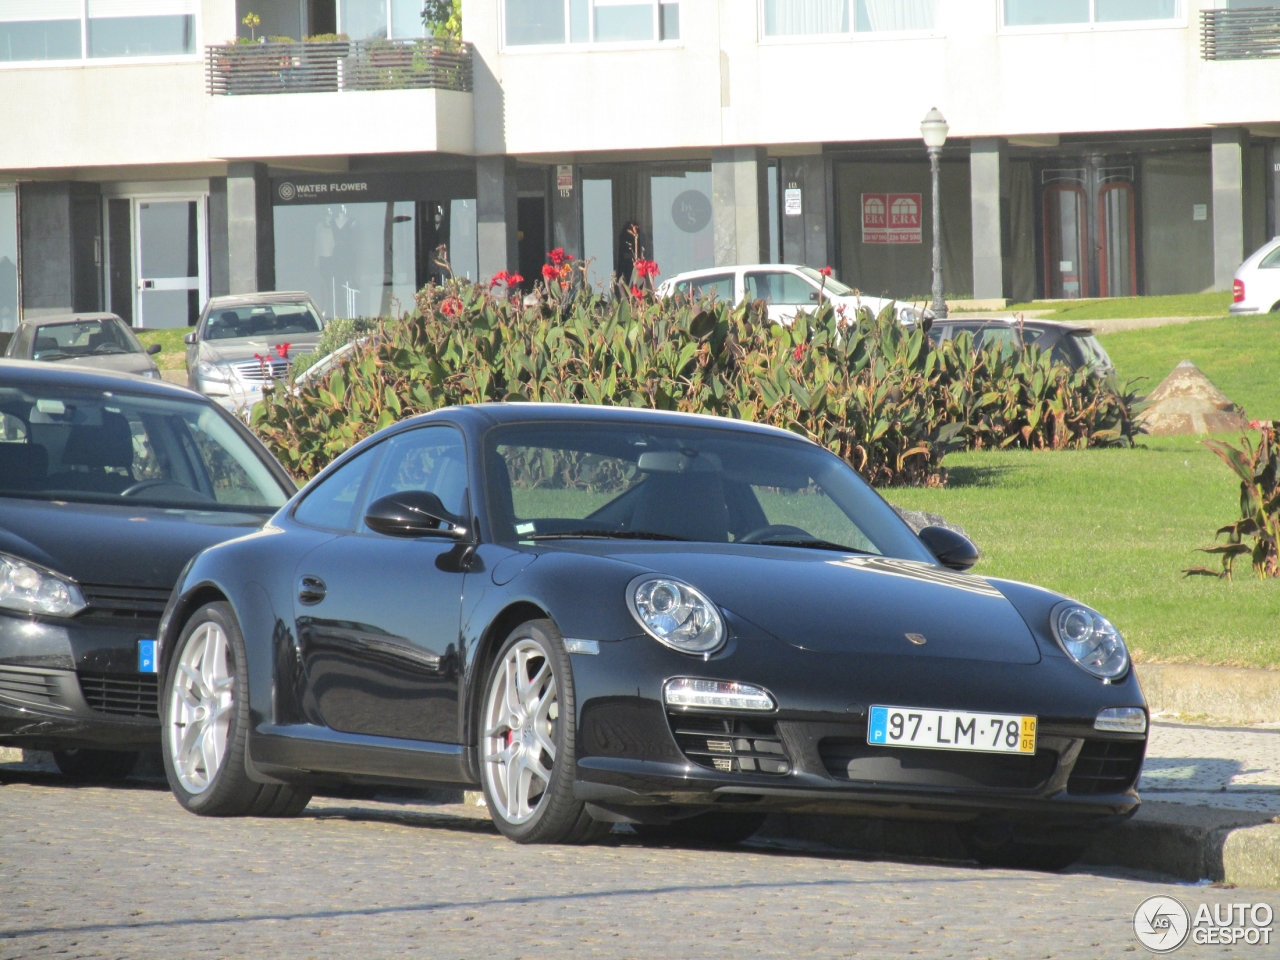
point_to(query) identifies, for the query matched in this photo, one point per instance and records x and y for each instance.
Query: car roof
(60, 318)
(254, 299)
(729, 268)
(483, 415)
(18, 372)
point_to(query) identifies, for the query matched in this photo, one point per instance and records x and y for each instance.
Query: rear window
(718, 287)
(277, 319)
(1271, 260)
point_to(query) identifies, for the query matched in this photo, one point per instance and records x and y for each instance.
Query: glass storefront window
(1031, 13)
(8, 259)
(73, 29)
(597, 231)
(787, 18)
(355, 259)
(464, 253)
(543, 22)
(682, 232)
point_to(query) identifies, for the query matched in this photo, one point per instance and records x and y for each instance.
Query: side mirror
(190, 339)
(153, 349)
(953, 550)
(414, 513)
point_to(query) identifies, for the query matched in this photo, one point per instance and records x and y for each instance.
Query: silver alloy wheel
(520, 731)
(200, 707)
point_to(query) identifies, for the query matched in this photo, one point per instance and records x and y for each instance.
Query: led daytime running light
(716, 694)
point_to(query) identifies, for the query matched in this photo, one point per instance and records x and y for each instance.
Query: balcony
(274, 68)
(1252, 33)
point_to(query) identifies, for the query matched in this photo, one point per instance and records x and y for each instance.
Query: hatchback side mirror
(953, 550)
(153, 349)
(189, 339)
(414, 513)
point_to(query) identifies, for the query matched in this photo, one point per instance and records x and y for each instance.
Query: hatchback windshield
(273, 320)
(105, 446)
(84, 338)
(647, 482)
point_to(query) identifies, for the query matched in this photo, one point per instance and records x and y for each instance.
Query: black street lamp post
(934, 130)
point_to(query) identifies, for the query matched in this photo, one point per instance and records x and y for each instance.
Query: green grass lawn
(1239, 354)
(173, 352)
(1121, 308)
(1114, 529)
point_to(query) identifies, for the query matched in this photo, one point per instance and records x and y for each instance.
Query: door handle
(146, 284)
(311, 590)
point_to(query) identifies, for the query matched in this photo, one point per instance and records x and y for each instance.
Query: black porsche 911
(608, 615)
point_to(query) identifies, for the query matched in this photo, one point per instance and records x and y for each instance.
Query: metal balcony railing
(256, 68)
(1252, 33)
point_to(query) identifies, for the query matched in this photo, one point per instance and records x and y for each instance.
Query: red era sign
(891, 218)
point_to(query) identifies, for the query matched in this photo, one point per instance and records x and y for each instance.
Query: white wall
(987, 82)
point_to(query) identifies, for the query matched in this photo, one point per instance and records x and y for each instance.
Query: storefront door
(1089, 232)
(170, 261)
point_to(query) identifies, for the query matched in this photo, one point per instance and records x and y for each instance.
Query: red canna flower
(282, 351)
(550, 272)
(508, 280)
(646, 268)
(798, 353)
(825, 271)
(637, 292)
(260, 358)
(451, 307)
(559, 257)
(514, 279)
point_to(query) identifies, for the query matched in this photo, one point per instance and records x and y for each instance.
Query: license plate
(147, 656)
(951, 730)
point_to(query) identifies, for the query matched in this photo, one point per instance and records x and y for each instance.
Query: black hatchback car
(109, 485)
(677, 621)
(1067, 343)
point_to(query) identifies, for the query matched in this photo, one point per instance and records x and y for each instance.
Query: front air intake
(730, 744)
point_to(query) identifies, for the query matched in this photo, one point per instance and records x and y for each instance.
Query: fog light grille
(1106, 766)
(123, 695)
(731, 744)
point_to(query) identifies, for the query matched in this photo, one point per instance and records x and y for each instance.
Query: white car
(785, 287)
(1256, 288)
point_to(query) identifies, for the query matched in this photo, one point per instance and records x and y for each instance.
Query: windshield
(103, 446)
(85, 338)
(833, 286)
(274, 320)
(644, 481)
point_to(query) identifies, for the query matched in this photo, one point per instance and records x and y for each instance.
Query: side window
(1271, 261)
(332, 504)
(719, 287)
(781, 288)
(432, 459)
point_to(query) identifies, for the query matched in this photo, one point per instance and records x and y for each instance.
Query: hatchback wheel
(527, 741)
(205, 724)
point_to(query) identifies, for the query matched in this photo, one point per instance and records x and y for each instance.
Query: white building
(1097, 147)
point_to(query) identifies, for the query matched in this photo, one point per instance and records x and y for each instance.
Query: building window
(75, 29)
(8, 259)
(546, 22)
(380, 19)
(1035, 13)
(788, 18)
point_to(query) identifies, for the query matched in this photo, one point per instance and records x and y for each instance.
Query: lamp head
(934, 128)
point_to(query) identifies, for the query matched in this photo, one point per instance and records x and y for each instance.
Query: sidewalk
(1230, 768)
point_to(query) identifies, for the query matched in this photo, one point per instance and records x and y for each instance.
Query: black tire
(83, 765)
(705, 830)
(557, 816)
(229, 791)
(1011, 854)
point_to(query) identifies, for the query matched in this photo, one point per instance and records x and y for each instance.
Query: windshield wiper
(813, 544)
(606, 535)
(54, 355)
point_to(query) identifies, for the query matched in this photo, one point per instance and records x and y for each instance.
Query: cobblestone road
(97, 872)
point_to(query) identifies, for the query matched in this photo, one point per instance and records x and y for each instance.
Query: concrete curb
(1235, 695)
(1177, 840)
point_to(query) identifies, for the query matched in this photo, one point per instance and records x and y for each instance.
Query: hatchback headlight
(33, 589)
(675, 614)
(1090, 640)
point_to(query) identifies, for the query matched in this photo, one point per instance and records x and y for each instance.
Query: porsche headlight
(33, 589)
(1090, 640)
(675, 614)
